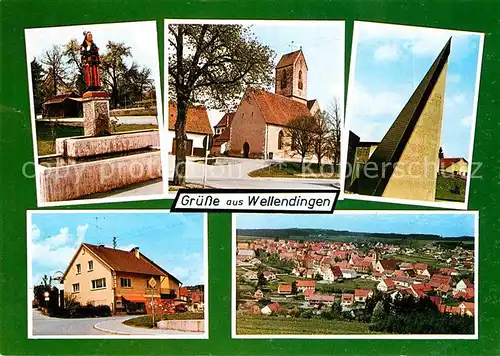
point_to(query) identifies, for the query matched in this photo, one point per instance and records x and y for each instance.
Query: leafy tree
(113, 65)
(379, 312)
(211, 64)
(37, 84)
(294, 287)
(301, 129)
(441, 153)
(262, 280)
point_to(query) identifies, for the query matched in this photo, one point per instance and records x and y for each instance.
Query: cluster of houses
(331, 262)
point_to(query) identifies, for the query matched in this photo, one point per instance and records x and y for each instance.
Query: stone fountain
(99, 161)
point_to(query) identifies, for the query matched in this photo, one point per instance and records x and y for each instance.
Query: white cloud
(467, 121)
(371, 103)
(35, 232)
(387, 52)
(56, 251)
(127, 247)
(458, 98)
(58, 240)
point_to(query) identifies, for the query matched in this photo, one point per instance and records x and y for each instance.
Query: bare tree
(322, 136)
(301, 130)
(55, 69)
(335, 123)
(211, 64)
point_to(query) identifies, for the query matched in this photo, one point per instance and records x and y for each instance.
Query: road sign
(152, 282)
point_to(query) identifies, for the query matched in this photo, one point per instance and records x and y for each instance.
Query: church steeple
(291, 76)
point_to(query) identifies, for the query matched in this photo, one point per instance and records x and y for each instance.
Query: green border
(17, 193)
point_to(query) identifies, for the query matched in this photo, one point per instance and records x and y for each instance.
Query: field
(269, 325)
(46, 145)
(347, 285)
(431, 261)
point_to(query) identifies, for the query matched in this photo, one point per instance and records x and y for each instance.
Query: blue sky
(448, 225)
(174, 241)
(323, 45)
(390, 62)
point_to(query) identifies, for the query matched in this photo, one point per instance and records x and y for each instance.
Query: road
(235, 175)
(44, 325)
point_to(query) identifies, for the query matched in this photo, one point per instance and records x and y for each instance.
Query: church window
(300, 80)
(283, 79)
(280, 140)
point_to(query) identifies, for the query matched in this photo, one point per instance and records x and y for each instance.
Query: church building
(259, 126)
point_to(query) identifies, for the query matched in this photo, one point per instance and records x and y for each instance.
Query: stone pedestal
(96, 114)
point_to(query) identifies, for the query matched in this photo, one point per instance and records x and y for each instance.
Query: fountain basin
(85, 146)
(64, 179)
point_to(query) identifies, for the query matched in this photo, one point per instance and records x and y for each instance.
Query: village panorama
(318, 281)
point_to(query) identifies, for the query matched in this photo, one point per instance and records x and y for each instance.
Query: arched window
(283, 79)
(300, 80)
(280, 140)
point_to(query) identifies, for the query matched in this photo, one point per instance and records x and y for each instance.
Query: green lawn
(431, 261)
(293, 169)
(449, 188)
(46, 144)
(147, 320)
(269, 325)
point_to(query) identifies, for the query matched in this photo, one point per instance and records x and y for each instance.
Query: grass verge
(295, 170)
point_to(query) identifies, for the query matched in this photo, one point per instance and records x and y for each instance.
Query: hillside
(339, 235)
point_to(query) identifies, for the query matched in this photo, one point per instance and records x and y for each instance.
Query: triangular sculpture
(405, 163)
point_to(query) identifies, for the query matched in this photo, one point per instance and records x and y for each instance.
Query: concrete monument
(405, 163)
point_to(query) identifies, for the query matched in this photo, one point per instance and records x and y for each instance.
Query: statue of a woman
(90, 62)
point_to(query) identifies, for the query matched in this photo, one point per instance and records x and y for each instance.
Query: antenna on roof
(98, 242)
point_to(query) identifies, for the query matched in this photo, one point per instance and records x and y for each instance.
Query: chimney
(136, 252)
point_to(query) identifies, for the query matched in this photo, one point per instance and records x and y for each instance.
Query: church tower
(291, 76)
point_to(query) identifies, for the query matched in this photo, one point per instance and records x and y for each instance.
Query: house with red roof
(222, 134)
(439, 279)
(386, 285)
(259, 128)
(305, 284)
(197, 129)
(347, 299)
(361, 295)
(285, 289)
(385, 265)
(463, 284)
(322, 299)
(117, 278)
(270, 308)
(457, 166)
